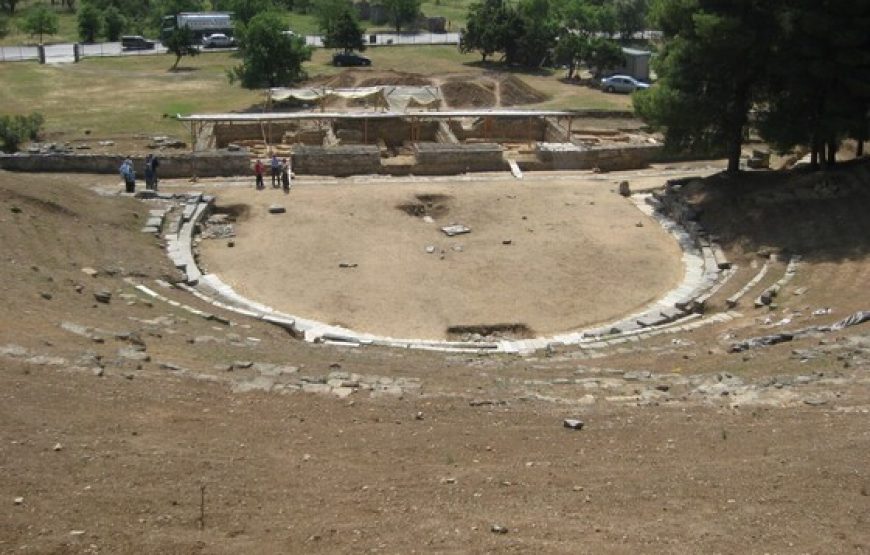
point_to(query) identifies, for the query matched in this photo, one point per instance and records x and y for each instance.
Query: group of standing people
(128, 174)
(281, 174)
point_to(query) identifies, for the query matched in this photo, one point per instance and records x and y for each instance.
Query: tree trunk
(859, 151)
(734, 151)
(832, 154)
(737, 120)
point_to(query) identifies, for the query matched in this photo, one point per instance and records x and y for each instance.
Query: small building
(636, 64)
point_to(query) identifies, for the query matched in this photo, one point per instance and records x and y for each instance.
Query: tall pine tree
(712, 71)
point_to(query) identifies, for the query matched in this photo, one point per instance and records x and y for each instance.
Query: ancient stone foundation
(339, 161)
(568, 156)
(201, 164)
(445, 159)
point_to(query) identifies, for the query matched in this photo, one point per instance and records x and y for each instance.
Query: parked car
(136, 42)
(622, 84)
(217, 40)
(350, 59)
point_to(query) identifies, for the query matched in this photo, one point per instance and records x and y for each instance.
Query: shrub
(17, 129)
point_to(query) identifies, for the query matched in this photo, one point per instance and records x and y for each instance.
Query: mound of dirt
(367, 78)
(397, 79)
(343, 80)
(465, 94)
(514, 91)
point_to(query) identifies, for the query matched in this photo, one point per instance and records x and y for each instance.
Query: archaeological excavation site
(467, 323)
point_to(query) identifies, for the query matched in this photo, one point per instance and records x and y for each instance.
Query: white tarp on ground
(394, 98)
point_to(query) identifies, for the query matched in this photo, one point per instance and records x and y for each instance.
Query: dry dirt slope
(115, 463)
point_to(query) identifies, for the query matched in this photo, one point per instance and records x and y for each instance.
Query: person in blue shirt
(128, 173)
(276, 172)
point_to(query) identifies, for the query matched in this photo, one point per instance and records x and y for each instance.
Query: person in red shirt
(258, 172)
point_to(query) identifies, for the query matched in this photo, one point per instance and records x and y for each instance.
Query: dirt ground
(575, 254)
(138, 426)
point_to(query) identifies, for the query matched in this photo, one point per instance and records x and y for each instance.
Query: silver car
(217, 40)
(622, 84)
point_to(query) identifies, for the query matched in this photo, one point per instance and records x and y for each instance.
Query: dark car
(350, 59)
(136, 42)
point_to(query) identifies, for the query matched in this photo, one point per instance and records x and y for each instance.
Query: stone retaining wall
(446, 159)
(339, 161)
(393, 131)
(226, 133)
(608, 159)
(202, 164)
(505, 129)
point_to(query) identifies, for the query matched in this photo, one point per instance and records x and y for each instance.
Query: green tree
(114, 23)
(340, 27)
(9, 5)
(245, 10)
(483, 29)
(40, 20)
(402, 12)
(711, 70)
(585, 36)
(14, 130)
(818, 92)
(327, 13)
(540, 29)
(630, 17)
(89, 22)
(4, 26)
(181, 42)
(270, 58)
(493, 26)
(131, 9)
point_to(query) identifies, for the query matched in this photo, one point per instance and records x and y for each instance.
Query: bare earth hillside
(138, 425)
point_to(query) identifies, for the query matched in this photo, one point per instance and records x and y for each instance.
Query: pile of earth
(458, 91)
(468, 94)
(513, 91)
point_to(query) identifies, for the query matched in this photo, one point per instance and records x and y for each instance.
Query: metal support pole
(529, 127)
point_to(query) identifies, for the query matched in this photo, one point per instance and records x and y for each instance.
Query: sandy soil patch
(553, 255)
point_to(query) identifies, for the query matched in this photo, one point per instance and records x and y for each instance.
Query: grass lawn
(129, 95)
(117, 96)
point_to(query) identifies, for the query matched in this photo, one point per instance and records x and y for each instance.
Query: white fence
(66, 52)
(395, 39)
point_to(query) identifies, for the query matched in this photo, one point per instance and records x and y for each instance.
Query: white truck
(202, 24)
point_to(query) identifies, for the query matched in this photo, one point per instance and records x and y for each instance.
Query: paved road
(64, 53)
